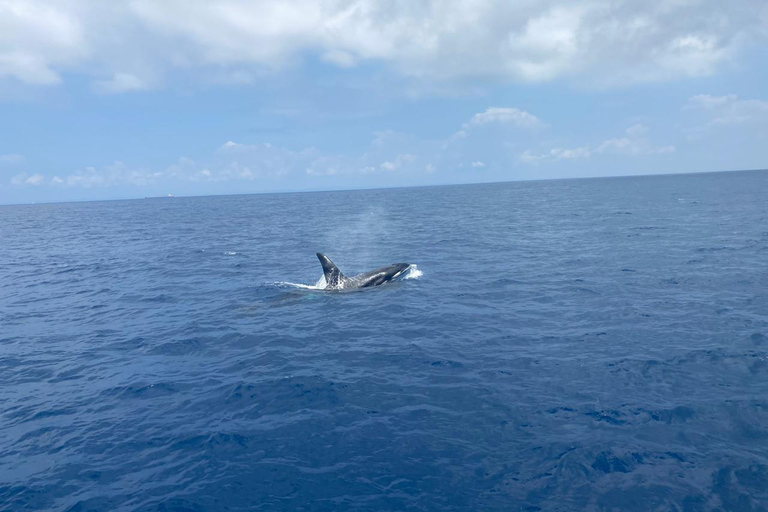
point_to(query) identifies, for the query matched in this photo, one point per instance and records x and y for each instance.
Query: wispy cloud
(397, 163)
(25, 179)
(529, 157)
(505, 115)
(709, 102)
(245, 162)
(121, 82)
(114, 174)
(725, 110)
(12, 158)
(634, 143)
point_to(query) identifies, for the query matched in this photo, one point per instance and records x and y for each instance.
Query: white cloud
(556, 154)
(709, 102)
(529, 157)
(340, 58)
(454, 138)
(121, 82)
(24, 179)
(35, 179)
(389, 152)
(431, 40)
(635, 143)
(234, 162)
(505, 115)
(397, 163)
(182, 168)
(726, 110)
(117, 173)
(548, 44)
(571, 154)
(12, 158)
(330, 170)
(36, 38)
(637, 131)
(236, 147)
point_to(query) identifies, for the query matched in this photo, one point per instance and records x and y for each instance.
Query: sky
(135, 98)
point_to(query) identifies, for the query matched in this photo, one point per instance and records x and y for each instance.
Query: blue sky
(122, 99)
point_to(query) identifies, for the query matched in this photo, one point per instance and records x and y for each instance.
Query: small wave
(230, 253)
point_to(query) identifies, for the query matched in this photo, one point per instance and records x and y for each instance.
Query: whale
(336, 280)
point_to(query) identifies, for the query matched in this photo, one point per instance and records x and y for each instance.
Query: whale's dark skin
(335, 280)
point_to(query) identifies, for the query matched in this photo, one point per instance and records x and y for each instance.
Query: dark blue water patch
(576, 345)
(140, 391)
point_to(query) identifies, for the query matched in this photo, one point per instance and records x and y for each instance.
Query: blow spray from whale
(336, 280)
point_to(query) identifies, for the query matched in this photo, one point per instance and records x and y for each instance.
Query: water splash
(413, 272)
(302, 286)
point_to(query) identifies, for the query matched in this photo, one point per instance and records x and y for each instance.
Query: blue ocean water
(596, 344)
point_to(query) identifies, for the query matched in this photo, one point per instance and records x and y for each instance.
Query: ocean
(574, 345)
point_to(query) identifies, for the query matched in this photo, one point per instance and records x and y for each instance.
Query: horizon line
(316, 191)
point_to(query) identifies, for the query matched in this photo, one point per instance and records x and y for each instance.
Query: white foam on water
(298, 285)
(413, 272)
(319, 285)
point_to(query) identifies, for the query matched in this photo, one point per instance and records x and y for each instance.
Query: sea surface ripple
(596, 344)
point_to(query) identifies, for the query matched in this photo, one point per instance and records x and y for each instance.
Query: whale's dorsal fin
(333, 276)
